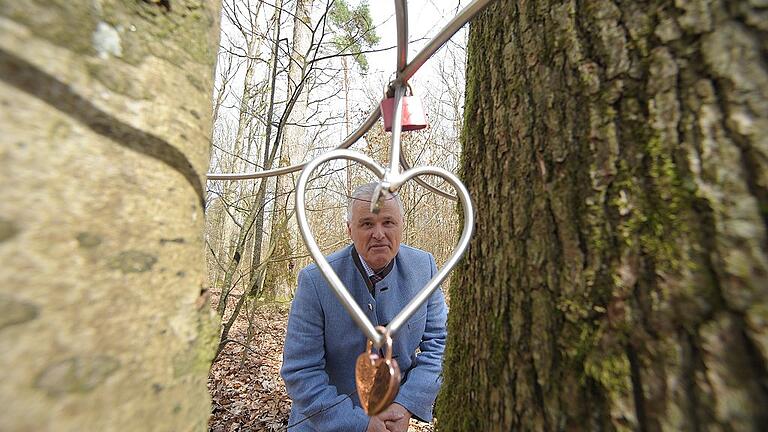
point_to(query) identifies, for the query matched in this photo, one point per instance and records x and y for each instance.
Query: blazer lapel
(357, 287)
(388, 296)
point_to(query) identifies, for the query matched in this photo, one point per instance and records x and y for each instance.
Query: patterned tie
(375, 278)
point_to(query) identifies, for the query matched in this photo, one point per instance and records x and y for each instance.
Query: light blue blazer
(322, 342)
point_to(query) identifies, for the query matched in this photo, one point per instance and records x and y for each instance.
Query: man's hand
(375, 424)
(395, 418)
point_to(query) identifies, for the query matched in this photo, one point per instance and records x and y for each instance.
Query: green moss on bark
(606, 241)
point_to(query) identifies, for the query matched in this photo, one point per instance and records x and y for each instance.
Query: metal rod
(351, 139)
(441, 38)
(406, 166)
(397, 124)
(401, 16)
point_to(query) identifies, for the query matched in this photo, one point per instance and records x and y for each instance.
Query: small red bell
(413, 117)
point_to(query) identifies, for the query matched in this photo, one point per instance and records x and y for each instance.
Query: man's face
(376, 236)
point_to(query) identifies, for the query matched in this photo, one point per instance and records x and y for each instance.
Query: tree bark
(255, 279)
(106, 119)
(618, 278)
(253, 225)
(294, 147)
(278, 279)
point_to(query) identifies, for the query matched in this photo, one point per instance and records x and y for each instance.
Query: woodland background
(293, 80)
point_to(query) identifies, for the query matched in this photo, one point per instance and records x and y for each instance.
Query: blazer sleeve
(419, 391)
(303, 368)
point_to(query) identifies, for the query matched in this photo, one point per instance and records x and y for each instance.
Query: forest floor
(245, 384)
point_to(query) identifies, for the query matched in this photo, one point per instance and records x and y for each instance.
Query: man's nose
(378, 232)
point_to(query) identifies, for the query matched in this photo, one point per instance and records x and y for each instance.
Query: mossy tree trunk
(617, 153)
(105, 117)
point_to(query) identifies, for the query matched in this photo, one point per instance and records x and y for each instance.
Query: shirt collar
(368, 270)
(364, 267)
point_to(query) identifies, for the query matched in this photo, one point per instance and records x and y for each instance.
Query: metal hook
(377, 196)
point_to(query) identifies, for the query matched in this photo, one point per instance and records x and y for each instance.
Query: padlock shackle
(389, 90)
(386, 342)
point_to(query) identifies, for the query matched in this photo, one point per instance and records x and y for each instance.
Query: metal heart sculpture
(392, 181)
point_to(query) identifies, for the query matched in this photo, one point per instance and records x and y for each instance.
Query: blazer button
(370, 307)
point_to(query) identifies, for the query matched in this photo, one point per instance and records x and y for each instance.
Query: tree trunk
(294, 147)
(255, 279)
(106, 115)
(278, 283)
(618, 279)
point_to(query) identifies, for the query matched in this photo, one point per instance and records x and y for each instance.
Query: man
(323, 342)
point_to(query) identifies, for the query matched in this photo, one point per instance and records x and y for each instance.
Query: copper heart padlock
(377, 378)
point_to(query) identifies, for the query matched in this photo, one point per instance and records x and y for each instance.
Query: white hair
(365, 193)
